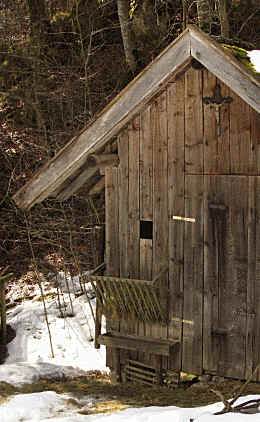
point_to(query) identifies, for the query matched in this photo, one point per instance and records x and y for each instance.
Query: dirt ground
(109, 397)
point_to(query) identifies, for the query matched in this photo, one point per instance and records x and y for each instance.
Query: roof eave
(228, 69)
(191, 43)
(114, 116)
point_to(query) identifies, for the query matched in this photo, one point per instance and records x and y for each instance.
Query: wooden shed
(180, 150)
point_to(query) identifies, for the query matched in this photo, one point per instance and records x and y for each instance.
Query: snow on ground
(30, 358)
(48, 406)
(255, 59)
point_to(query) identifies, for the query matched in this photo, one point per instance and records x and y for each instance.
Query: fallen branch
(228, 405)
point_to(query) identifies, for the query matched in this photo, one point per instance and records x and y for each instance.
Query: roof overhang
(192, 43)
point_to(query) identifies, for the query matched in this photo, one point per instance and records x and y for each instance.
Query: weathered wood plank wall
(176, 132)
(174, 162)
(112, 257)
(146, 206)
(216, 148)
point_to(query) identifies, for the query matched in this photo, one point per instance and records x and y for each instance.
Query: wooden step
(142, 344)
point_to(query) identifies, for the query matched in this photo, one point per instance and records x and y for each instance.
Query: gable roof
(70, 164)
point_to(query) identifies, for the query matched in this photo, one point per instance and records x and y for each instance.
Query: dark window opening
(146, 229)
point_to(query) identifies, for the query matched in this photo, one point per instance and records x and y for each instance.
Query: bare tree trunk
(223, 17)
(127, 33)
(204, 15)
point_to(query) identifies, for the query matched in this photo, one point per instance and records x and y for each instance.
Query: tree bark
(223, 18)
(127, 34)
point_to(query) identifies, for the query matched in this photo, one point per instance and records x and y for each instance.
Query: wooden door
(229, 309)
(221, 293)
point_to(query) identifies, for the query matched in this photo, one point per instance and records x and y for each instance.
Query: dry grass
(109, 397)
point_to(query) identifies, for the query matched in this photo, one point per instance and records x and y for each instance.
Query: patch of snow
(255, 58)
(37, 407)
(67, 283)
(49, 405)
(72, 339)
(27, 373)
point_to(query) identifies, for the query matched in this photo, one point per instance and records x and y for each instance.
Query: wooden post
(99, 248)
(98, 319)
(3, 280)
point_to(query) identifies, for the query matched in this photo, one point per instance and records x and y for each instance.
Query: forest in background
(61, 62)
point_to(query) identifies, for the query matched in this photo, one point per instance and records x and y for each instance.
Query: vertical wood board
(146, 166)
(160, 194)
(193, 276)
(216, 148)
(176, 137)
(146, 207)
(134, 200)
(123, 173)
(193, 122)
(134, 211)
(257, 281)
(254, 164)
(251, 282)
(212, 225)
(240, 136)
(112, 241)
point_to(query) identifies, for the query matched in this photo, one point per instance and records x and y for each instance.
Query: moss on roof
(241, 55)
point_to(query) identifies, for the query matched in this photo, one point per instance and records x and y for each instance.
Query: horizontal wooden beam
(103, 159)
(146, 345)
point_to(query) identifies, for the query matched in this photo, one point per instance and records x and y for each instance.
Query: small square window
(146, 229)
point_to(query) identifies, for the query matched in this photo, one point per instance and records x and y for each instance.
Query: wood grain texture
(146, 166)
(112, 241)
(123, 181)
(133, 227)
(146, 207)
(77, 183)
(240, 136)
(98, 187)
(257, 281)
(159, 347)
(211, 315)
(254, 164)
(123, 227)
(191, 43)
(225, 66)
(134, 200)
(160, 196)
(193, 122)
(226, 275)
(193, 276)
(176, 121)
(251, 281)
(216, 148)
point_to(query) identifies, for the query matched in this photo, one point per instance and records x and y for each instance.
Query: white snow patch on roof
(255, 58)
